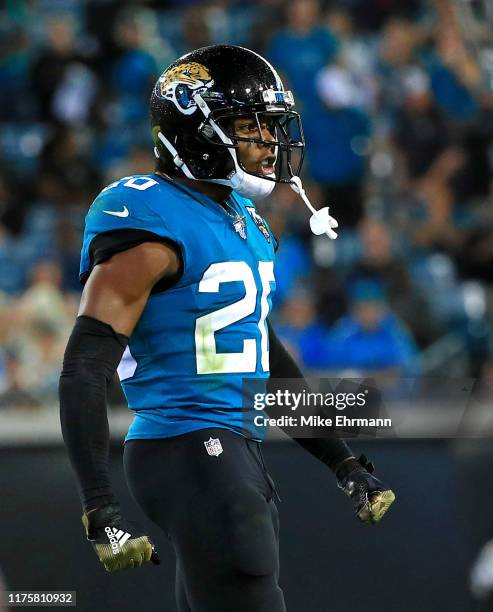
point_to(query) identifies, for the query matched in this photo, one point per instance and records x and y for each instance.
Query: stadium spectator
(66, 174)
(380, 261)
(40, 354)
(14, 202)
(301, 49)
(138, 161)
(196, 32)
(59, 75)
(15, 52)
(338, 138)
(370, 340)
(398, 57)
(440, 222)
(356, 53)
(34, 333)
(44, 301)
(455, 75)
(300, 331)
(371, 15)
(421, 132)
(14, 395)
(136, 67)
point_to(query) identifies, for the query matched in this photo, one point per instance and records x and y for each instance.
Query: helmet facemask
(228, 130)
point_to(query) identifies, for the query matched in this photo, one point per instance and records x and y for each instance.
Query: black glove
(117, 543)
(371, 498)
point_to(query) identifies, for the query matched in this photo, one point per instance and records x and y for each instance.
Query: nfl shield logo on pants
(213, 447)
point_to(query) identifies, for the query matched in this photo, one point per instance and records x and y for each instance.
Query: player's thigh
(231, 530)
(228, 552)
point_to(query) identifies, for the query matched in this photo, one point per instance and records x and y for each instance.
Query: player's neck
(219, 193)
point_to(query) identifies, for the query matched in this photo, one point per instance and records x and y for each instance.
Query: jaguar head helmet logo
(180, 83)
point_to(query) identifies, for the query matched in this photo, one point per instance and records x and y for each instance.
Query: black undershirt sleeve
(105, 245)
(93, 353)
(331, 451)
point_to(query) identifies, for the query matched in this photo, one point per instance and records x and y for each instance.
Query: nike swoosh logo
(118, 213)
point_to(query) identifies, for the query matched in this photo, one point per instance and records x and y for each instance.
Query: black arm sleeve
(331, 451)
(92, 355)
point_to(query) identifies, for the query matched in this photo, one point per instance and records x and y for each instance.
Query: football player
(178, 268)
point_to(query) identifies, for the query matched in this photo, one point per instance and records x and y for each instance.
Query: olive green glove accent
(371, 498)
(116, 542)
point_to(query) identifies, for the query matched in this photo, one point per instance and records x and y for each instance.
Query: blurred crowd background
(396, 98)
(397, 105)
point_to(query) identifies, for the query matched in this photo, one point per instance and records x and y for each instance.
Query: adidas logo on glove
(117, 538)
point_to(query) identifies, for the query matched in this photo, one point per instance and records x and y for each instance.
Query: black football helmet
(193, 108)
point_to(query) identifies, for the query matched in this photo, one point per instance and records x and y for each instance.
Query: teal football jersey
(196, 341)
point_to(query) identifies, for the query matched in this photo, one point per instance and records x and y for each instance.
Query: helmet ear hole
(207, 131)
(205, 159)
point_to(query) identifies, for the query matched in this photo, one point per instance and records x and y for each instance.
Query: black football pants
(218, 512)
